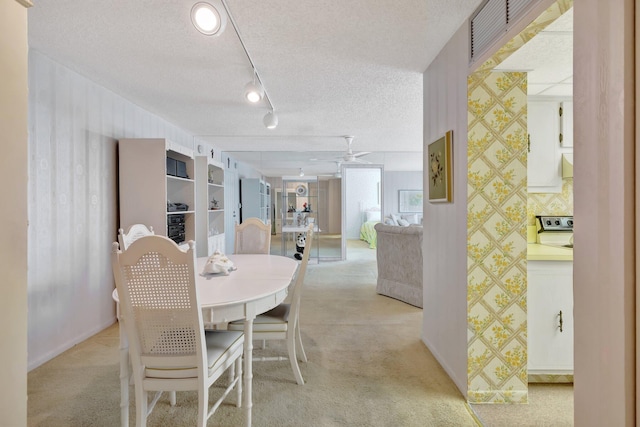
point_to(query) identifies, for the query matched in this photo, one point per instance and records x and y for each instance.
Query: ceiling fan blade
(362, 153)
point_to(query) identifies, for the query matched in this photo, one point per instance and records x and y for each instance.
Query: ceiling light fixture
(301, 172)
(207, 19)
(270, 120)
(254, 90)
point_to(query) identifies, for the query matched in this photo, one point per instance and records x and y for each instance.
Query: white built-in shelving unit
(145, 188)
(210, 206)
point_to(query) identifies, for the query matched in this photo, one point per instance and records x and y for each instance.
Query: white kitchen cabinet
(550, 293)
(566, 123)
(146, 187)
(210, 225)
(544, 173)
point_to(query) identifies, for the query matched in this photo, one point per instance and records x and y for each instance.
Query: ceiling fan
(349, 156)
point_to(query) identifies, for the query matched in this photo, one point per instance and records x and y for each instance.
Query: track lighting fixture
(213, 24)
(253, 92)
(270, 120)
(207, 19)
(301, 172)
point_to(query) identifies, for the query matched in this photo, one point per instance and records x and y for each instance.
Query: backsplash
(550, 203)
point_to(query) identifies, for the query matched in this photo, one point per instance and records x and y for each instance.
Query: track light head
(253, 92)
(270, 120)
(207, 19)
(301, 172)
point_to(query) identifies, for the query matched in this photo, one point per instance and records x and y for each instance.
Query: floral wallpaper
(499, 211)
(551, 203)
(496, 237)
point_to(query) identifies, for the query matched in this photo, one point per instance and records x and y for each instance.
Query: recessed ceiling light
(207, 19)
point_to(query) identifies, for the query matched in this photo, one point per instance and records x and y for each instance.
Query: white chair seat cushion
(220, 345)
(274, 320)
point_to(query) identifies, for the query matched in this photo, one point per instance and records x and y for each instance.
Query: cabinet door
(543, 161)
(550, 291)
(566, 120)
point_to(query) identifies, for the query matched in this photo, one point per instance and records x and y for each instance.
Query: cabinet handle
(528, 143)
(560, 316)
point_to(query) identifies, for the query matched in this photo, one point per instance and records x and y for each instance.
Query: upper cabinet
(566, 123)
(550, 129)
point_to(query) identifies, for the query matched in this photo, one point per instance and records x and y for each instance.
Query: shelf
(177, 178)
(180, 212)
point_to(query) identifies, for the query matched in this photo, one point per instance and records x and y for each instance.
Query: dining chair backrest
(135, 232)
(252, 236)
(155, 280)
(302, 271)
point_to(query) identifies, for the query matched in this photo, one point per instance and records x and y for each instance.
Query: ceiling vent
(492, 20)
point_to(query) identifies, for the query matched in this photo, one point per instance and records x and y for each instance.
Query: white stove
(555, 230)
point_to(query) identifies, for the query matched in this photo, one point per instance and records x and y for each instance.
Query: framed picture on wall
(439, 161)
(410, 201)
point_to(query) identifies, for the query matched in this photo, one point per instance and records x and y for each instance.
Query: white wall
(445, 237)
(394, 181)
(604, 261)
(73, 128)
(13, 250)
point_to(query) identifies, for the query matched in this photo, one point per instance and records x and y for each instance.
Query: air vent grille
(492, 19)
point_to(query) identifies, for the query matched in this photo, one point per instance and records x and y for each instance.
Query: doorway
(362, 192)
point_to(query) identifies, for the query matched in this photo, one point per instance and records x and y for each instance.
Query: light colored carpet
(550, 405)
(367, 367)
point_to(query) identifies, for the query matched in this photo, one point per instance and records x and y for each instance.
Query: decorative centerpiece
(218, 263)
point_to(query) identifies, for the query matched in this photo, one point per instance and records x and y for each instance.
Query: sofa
(399, 256)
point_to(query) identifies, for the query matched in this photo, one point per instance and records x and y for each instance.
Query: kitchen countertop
(538, 252)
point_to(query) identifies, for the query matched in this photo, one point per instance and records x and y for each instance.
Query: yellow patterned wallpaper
(496, 237)
(499, 210)
(551, 203)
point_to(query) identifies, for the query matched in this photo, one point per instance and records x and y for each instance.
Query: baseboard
(67, 345)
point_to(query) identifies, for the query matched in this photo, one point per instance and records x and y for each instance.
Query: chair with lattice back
(282, 322)
(135, 232)
(252, 236)
(168, 346)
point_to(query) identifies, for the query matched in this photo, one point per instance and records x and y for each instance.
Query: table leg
(124, 375)
(248, 367)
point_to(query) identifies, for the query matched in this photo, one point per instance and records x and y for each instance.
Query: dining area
(186, 320)
(366, 367)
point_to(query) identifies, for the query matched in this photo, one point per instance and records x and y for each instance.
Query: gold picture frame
(439, 164)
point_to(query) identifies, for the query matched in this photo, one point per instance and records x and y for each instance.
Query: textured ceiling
(331, 68)
(548, 59)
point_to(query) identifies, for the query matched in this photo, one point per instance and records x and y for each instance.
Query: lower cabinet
(550, 317)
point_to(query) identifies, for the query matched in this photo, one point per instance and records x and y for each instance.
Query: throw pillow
(403, 222)
(411, 218)
(395, 218)
(389, 221)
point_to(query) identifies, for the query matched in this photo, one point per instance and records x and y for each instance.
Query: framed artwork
(410, 201)
(439, 161)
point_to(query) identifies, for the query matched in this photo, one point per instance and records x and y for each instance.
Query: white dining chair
(134, 233)
(252, 236)
(168, 346)
(282, 322)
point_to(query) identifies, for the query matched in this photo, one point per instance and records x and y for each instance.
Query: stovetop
(554, 223)
(555, 230)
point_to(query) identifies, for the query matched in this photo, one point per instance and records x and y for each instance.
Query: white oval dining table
(259, 283)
